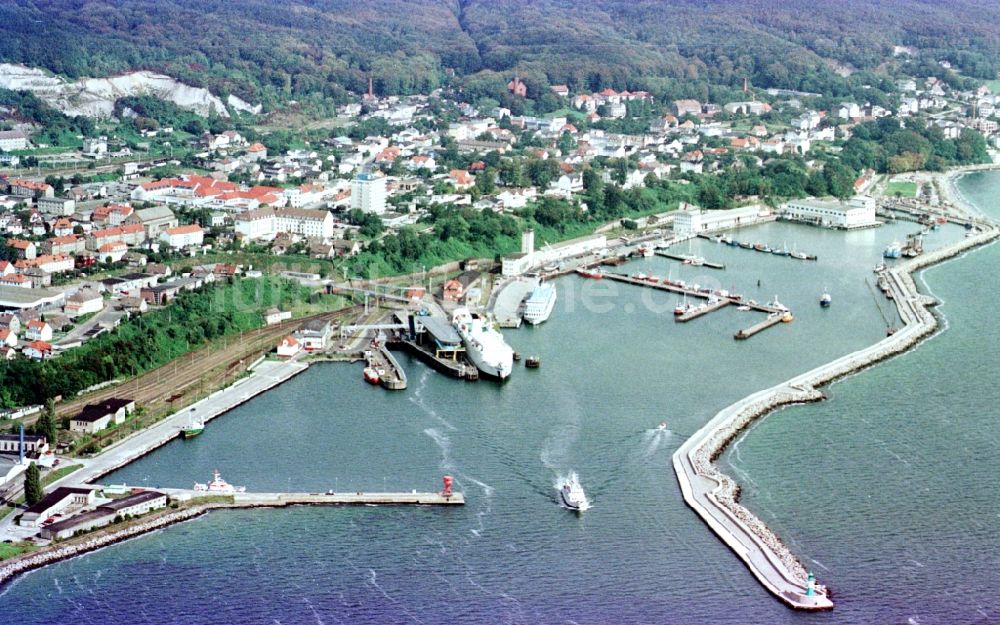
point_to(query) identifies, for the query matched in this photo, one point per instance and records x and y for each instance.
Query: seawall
(715, 496)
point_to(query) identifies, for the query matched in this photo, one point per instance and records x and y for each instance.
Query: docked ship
(484, 344)
(893, 250)
(572, 495)
(371, 375)
(538, 306)
(193, 428)
(593, 274)
(218, 485)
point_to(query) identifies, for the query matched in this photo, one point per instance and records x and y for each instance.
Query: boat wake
(417, 398)
(653, 439)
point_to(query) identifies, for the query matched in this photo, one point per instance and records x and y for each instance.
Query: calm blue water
(614, 365)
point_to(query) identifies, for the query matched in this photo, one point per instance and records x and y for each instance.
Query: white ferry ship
(539, 304)
(483, 344)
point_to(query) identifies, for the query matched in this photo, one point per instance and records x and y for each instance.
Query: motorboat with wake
(572, 495)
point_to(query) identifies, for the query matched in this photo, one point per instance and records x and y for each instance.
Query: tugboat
(825, 300)
(572, 495)
(533, 362)
(371, 375)
(517, 356)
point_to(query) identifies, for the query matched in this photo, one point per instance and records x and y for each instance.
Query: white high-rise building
(368, 193)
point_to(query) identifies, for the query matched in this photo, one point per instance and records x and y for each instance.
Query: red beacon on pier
(447, 486)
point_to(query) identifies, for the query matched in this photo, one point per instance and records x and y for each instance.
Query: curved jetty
(715, 495)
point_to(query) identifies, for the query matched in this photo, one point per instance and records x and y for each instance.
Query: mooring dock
(359, 498)
(392, 377)
(690, 260)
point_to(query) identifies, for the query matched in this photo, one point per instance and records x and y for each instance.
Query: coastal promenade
(714, 495)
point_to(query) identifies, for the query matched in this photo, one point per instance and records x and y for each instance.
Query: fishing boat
(746, 246)
(782, 252)
(762, 247)
(800, 255)
(193, 428)
(572, 495)
(825, 300)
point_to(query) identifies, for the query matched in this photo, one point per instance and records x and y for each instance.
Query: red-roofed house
(37, 330)
(129, 234)
(288, 347)
(69, 244)
(16, 280)
(8, 337)
(23, 249)
(111, 252)
(517, 87)
(461, 179)
(37, 350)
(6, 268)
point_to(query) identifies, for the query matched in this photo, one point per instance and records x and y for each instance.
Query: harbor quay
(264, 376)
(714, 496)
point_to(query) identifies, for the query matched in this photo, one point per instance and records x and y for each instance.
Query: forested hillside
(274, 51)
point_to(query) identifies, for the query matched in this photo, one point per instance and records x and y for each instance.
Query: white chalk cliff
(96, 97)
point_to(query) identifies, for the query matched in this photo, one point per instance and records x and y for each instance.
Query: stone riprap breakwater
(715, 495)
(57, 552)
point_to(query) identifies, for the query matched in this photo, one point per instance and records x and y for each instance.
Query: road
(108, 316)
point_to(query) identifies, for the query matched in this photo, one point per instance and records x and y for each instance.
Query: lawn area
(10, 550)
(60, 473)
(994, 85)
(901, 188)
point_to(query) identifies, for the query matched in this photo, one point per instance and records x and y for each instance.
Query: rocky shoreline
(711, 441)
(56, 552)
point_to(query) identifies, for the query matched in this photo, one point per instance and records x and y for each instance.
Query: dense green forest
(145, 342)
(271, 52)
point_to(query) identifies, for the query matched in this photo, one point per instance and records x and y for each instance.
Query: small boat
(645, 251)
(800, 255)
(787, 317)
(762, 247)
(662, 427)
(533, 362)
(517, 356)
(371, 375)
(550, 268)
(572, 495)
(746, 246)
(218, 485)
(695, 261)
(639, 276)
(825, 300)
(778, 305)
(879, 268)
(733, 243)
(744, 308)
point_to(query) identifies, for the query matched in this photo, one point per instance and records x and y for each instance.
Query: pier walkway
(714, 496)
(248, 500)
(687, 260)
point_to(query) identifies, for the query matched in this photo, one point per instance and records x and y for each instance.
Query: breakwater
(715, 495)
(78, 546)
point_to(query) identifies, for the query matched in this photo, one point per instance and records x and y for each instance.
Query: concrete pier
(772, 320)
(277, 500)
(687, 260)
(714, 496)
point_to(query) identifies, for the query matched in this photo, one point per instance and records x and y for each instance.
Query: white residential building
(368, 193)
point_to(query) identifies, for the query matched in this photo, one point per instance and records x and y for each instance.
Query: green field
(901, 188)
